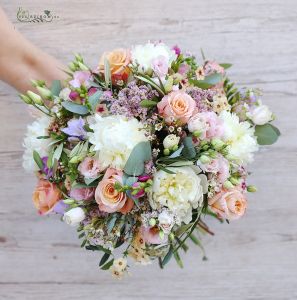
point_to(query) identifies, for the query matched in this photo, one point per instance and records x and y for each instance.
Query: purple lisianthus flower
(76, 129)
(80, 78)
(60, 207)
(45, 169)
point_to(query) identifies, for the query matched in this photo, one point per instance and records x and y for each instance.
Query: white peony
(143, 55)
(74, 216)
(179, 192)
(260, 115)
(38, 128)
(114, 138)
(240, 137)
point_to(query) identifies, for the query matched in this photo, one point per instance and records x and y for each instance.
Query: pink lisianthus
(80, 78)
(82, 194)
(218, 166)
(151, 235)
(89, 167)
(108, 198)
(176, 106)
(208, 124)
(160, 65)
(229, 204)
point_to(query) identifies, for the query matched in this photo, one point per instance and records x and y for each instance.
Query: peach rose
(45, 196)
(229, 204)
(177, 106)
(108, 198)
(118, 61)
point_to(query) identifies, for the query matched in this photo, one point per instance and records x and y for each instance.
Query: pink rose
(176, 106)
(208, 124)
(229, 204)
(82, 193)
(45, 196)
(160, 65)
(151, 235)
(108, 198)
(89, 167)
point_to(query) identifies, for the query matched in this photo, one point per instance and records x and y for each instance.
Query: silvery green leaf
(266, 134)
(56, 87)
(107, 74)
(129, 180)
(139, 155)
(94, 100)
(189, 149)
(37, 159)
(177, 152)
(75, 150)
(58, 152)
(75, 108)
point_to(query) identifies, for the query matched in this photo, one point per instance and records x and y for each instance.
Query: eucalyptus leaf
(75, 108)
(94, 100)
(266, 134)
(178, 152)
(56, 87)
(208, 82)
(189, 148)
(88, 181)
(139, 155)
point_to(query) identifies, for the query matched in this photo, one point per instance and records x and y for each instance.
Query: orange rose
(177, 106)
(45, 196)
(108, 198)
(228, 204)
(118, 61)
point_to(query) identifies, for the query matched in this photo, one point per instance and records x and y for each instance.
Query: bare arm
(21, 61)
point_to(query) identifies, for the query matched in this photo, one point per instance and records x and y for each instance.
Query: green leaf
(58, 152)
(148, 103)
(139, 155)
(107, 265)
(226, 65)
(56, 87)
(75, 108)
(178, 259)
(88, 181)
(97, 248)
(104, 259)
(107, 74)
(150, 82)
(189, 149)
(167, 257)
(202, 54)
(95, 99)
(183, 228)
(208, 82)
(266, 134)
(111, 223)
(37, 159)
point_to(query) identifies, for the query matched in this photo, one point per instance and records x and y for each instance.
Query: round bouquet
(138, 151)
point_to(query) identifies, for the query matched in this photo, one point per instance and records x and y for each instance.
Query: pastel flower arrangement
(137, 152)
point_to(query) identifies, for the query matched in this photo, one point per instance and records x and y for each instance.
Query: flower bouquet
(137, 152)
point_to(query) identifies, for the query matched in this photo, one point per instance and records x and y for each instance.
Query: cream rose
(260, 115)
(170, 141)
(74, 216)
(179, 192)
(177, 106)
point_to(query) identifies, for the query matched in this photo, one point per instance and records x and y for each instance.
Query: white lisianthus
(170, 141)
(114, 138)
(179, 192)
(74, 216)
(143, 55)
(38, 128)
(240, 137)
(260, 115)
(166, 221)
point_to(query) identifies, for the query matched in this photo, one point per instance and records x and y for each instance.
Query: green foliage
(231, 91)
(266, 134)
(139, 155)
(37, 159)
(75, 108)
(107, 73)
(226, 65)
(56, 87)
(94, 100)
(148, 103)
(189, 150)
(208, 82)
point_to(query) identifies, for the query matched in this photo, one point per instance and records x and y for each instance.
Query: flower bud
(168, 85)
(74, 216)
(197, 133)
(217, 144)
(235, 181)
(166, 152)
(78, 57)
(174, 148)
(161, 234)
(152, 222)
(25, 98)
(35, 98)
(171, 236)
(228, 185)
(75, 159)
(83, 67)
(72, 67)
(251, 189)
(68, 201)
(204, 159)
(44, 92)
